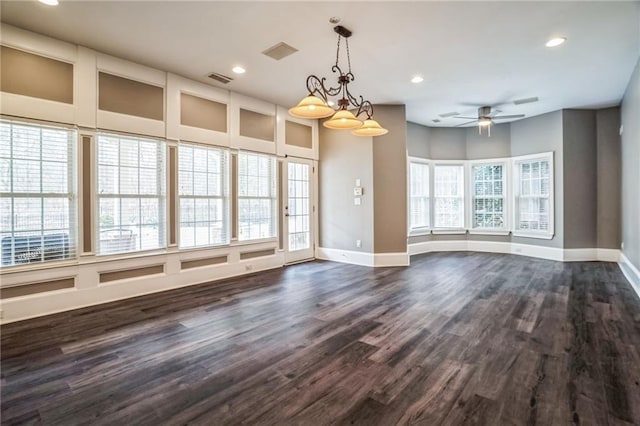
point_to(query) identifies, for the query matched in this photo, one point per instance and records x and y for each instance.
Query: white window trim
(422, 230)
(515, 161)
(506, 182)
(442, 230)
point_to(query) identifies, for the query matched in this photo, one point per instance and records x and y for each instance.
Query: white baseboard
(630, 272)
(542, 252)
(363, 258)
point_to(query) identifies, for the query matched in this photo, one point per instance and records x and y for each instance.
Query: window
(534, 196)
(257, 196)
(418, 195)
(488, 196)
(204, 195)
(37, 193)
(448, 188)
(131, 194)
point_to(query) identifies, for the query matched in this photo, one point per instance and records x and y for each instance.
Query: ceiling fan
(486, 118)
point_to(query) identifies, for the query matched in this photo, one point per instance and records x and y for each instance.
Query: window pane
(37, 165)
(257, 196)
(204, 195)
(419, 195)
(131, 176)
(488, 196)
(448, 196)
(533, 208)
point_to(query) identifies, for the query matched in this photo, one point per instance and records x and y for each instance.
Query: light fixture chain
(338, 51)
(348, 55)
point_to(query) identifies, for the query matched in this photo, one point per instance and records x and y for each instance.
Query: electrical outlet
(358, 243)
(622, 246)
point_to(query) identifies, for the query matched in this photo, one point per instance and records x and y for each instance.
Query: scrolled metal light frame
(317, 85)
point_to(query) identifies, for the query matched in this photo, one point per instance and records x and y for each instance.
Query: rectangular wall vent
(525, 101)
(279, 51)
(219, 77)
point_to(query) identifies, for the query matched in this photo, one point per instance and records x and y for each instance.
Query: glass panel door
(298, 210)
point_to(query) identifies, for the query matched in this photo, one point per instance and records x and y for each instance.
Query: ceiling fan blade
(464, 124)
(467, 118)
(502, 117)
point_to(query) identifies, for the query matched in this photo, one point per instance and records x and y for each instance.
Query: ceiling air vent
(279, 51)
(219, 77)
(525, 101)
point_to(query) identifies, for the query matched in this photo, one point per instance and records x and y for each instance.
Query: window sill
(5, 270)
(488, 232)
(532, 235)
(448, 231)
(419, 232)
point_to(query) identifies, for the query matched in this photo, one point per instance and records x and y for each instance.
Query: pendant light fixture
(315, 105)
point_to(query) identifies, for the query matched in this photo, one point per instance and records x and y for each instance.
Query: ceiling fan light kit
(316, 103)
(486, 118)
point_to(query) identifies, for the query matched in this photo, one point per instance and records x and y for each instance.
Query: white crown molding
(630, 272)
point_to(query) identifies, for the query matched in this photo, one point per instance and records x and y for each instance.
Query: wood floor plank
(456, 338)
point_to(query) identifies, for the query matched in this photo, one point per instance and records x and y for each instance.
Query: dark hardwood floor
(456, 338)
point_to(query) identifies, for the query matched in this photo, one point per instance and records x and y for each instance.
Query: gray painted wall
(630, 113)
(609, 177)
(390, 181)
(446, 143)
(580, 178)
(498, 145)
(543, 133)
(343, 159)
(418, 140)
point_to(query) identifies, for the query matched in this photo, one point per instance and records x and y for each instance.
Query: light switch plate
(357, 201)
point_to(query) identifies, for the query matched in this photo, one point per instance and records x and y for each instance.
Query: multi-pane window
(131, 194)
(448, 189)
(37, 193)
(299, 202)
(419, 195)
(533, 195)
(488, 196)
(257, 196)
(204, 195)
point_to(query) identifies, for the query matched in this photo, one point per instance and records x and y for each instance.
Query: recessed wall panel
(27, 74)
(256, 125)
(203, 113)
(130, 97)
(298, 135)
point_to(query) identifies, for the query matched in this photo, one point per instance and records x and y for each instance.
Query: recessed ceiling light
(331, 103)
(49, 2)
(238, 70)
(556, 41)
(417, 79)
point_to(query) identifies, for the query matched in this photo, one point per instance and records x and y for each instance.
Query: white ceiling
(470, 53)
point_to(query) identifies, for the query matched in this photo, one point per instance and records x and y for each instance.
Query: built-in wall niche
(131, 97)
(253, 124)
(197, 112)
